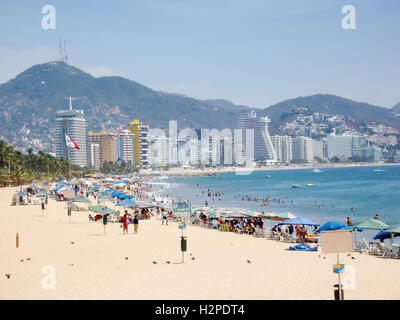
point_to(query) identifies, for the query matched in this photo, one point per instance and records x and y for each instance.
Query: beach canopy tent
(75, 181)
(21, 194)
(144, 204)
(81, 199)
(101, 210)
(104, 196)
(128, 203)
(300, 221)
(385, 235)
(373, 224)
(393, 229)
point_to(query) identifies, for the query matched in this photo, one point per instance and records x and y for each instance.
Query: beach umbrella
(385, 235)
(253, 214)
(300, 221)
(21, 194)
(280, 216)
(234, 215)
(331, 225)
(373, 224)
(393, 229)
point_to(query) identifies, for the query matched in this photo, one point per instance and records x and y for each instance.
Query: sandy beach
(95, 265)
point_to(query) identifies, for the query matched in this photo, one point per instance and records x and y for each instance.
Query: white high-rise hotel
(73, 124)
(263, 147)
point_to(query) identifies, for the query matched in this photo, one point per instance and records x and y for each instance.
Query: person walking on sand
(165, 218)
(125, 222)
(135, 223)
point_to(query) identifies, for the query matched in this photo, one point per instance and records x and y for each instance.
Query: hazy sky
(252, 52)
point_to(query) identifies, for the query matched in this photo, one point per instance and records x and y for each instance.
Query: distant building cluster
(310, 138)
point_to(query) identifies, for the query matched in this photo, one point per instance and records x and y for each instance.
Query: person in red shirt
(125, 223)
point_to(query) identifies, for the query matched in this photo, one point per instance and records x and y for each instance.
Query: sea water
(335, 194)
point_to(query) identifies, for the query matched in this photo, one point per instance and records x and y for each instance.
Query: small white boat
(295, 185)
(317, 170)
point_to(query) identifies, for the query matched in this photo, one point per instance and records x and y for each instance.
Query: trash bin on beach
(336, 292)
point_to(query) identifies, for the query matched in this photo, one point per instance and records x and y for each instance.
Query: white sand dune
(94, 267)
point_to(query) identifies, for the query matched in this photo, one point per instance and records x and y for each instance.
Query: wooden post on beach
(17, 240)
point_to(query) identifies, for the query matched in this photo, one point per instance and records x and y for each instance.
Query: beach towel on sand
(303, 247)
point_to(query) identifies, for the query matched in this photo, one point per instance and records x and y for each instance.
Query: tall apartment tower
(73, 124)
(263, 148)
(106, 143)
(283, 148)
(141, 142)
(303, 149)
(125, 146)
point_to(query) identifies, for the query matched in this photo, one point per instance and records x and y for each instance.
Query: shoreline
(206, 171)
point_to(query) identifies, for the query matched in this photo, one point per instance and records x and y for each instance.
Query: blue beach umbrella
(385, 235)
(299, 220)
(330, 225)
(21, 194)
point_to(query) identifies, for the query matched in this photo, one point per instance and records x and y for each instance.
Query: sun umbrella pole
(340, 286)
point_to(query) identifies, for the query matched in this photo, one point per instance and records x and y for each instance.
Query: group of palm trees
(17, 168)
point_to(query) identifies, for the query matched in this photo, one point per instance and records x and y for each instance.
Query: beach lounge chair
(259, 232)
(386, 251)
(396, 251)
(365, 247)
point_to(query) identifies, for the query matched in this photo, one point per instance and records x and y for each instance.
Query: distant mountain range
(396, 108)
(28, 103)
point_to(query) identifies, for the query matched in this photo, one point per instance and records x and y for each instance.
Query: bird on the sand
(168, 262)
(22, 260)
(8, 275)
(353, 258)
(28, 259)
(155, 262)
(72, 242)
(126, 258)
(248, 261)
(192, 258)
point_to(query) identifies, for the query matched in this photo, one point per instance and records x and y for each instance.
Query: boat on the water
(268, 176)
(309, 184)
(317, 170)
(295, 185)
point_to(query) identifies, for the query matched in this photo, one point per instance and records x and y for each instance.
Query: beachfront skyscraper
(343, 145)
(283, 147)
(303, 149)
(71, 123)
(263, 148)
(106, 142)
(141, 142)
(125, 146)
